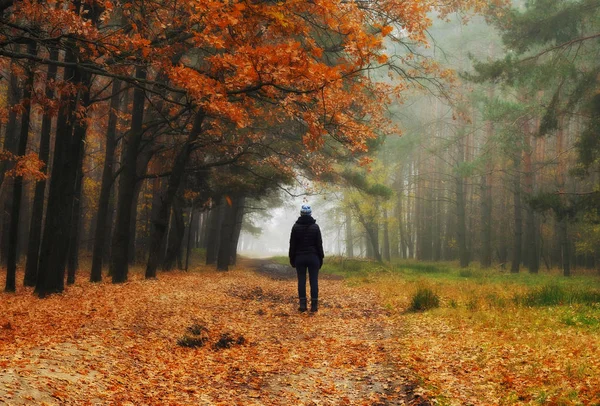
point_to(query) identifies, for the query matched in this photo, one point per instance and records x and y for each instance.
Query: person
(306, 252)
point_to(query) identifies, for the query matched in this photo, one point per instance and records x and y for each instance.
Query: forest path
(124, 344)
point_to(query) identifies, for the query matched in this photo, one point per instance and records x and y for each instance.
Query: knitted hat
(306, 210)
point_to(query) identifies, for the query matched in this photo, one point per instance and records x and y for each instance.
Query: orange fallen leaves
(117, 344)
(523, 358)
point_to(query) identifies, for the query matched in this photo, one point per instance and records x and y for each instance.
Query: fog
(276, 225)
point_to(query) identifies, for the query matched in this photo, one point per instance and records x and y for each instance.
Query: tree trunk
(229, 234)
(53, 252)
(516, 260)
(486, 219)
(160, 223)
(349, 236)
(386, 236)
(531, 249)
(410, 215)
(461, 226)
(372, 229)
(213, 235)
(437, 217)
(400, 216)
(37, 213)
(202, 229)
(13, 236)
(11, 144)
(190, 234)
(102, 224)
(68, 147)
(119, 265)
(563, 218)
(226, 235)
(79, 133)
(237, 230)
(175, 240)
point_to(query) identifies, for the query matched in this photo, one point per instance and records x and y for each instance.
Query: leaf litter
(122, 344)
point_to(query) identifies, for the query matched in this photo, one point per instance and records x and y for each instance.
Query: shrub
(424, 299)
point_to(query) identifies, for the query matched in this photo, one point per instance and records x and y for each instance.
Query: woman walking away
(306, 252)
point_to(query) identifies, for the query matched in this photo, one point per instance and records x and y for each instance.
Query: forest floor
(236, 338)
(203, 338)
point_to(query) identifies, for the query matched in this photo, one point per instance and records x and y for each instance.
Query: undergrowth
(424, 299)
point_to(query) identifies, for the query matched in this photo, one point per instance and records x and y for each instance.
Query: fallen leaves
(118, 344)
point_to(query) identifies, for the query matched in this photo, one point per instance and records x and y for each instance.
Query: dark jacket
(306, 239)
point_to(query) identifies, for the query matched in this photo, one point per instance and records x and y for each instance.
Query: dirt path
(122, 344)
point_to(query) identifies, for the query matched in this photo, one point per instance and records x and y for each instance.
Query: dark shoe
(302, 307)
(314, 305)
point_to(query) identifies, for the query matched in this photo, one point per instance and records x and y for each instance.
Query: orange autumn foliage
(248, 62)
(29, 166)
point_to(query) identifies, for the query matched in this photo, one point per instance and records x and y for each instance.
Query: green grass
(471, 288)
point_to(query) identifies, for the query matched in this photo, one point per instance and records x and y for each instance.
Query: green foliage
(555, 294)
(550, 118)
(424, 299)
(359, 180)
(588, 144)
(547, 21)
(582, 316)
(589, 243)
(422, 267)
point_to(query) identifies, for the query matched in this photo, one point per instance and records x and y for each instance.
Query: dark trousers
(312, 263)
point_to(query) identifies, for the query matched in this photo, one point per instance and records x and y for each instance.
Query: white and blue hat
(306, 210)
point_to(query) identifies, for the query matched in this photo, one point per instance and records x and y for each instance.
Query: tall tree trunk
(37, 213)
(419, 210)
(102, 225)
(461, 226)
(79, 134)
(386, 236)
(372, 229)
(191, 232)
(53, 252)
(119, 265)
(503, 236)
(13, 236)
(213, 235)
(437, 205)
(68, 147)
(230, 232)
(486, 199)
(400, 216)
(142, 169)
(427, 223)
(202, 229)
(237, 229)
(175, 240)
(531, 249)
(410, 215)
(486, 219)
(518, 216)
(349, 236)
(394, 237)
(11, 144)
(160, 223)
(226, 235)
(372, 234)
(563, 217)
